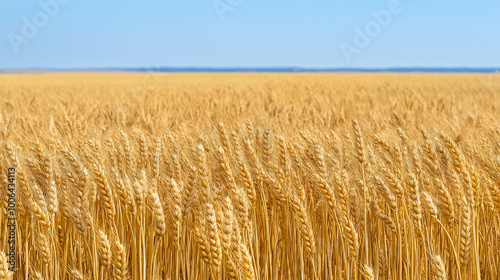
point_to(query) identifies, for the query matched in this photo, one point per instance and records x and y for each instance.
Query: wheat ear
(213, 236)
(5, 273)
(104, 248)
(120, 261)
(226, 232)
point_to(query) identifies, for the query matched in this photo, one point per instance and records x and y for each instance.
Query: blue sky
(251, 33)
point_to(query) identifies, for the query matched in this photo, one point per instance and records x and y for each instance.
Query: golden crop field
(250, 176)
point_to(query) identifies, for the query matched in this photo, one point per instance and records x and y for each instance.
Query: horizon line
(284, 69)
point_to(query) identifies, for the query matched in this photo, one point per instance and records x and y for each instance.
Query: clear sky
(249, 33)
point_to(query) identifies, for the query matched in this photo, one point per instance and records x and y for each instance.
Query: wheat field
(250, 176)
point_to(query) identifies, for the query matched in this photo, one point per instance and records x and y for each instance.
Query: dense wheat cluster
(251, 176)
